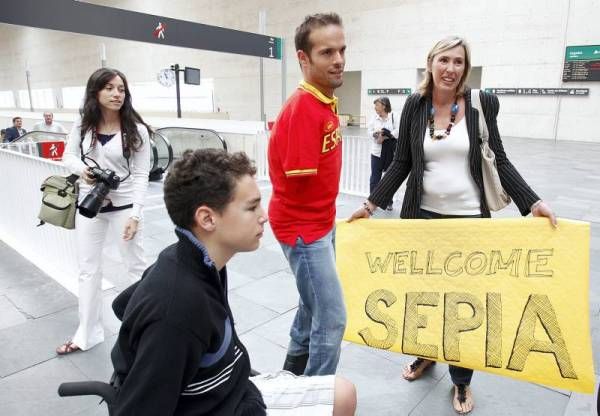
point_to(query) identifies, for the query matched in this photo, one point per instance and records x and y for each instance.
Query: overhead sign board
(539, 91)
(92, 19)
(582, 63)
(389, 91)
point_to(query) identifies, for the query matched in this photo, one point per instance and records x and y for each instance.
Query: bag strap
(124, 145)
(476, 103)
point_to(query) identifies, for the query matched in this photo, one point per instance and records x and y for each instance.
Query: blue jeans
(320, 321)
(459, 375)
(376, 172)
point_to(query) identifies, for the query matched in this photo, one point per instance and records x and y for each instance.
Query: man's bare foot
(416, 369)
(463, 399)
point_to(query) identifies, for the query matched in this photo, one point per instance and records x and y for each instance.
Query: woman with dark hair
(439, 148)
(110, 135)
(383, 129)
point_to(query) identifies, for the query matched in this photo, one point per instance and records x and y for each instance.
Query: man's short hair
(311, 23)
(16, 118)
(203, 177)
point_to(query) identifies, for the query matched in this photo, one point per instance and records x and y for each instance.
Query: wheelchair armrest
(89, 388)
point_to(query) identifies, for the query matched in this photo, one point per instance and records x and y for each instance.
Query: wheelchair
(107, 391)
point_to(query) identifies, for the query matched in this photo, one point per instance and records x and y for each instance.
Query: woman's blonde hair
(426, 86)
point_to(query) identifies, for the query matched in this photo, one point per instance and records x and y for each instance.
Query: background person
(439, 147)
(112, 135)
(49, 125)
(16, 131)
(383, 129)
(178, 352)
(305, 160)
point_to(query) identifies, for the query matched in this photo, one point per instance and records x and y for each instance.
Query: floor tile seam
(262, 277)
(83, 373)
(264, 322)
(19, 309)
(262, 338)
(429, 392)
(29, 367)
(373, 351)
(566, 394)
(266, 275)
(264, 306)
(57, 311)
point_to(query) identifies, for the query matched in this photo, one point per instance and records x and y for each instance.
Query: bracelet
(535, 204)
(369, 210)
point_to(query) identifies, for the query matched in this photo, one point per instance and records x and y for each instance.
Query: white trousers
(288, 395)
(91, 235)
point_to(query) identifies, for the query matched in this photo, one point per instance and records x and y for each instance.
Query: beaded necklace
(442, 134)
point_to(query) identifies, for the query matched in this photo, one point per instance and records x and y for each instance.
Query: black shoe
(295, 364)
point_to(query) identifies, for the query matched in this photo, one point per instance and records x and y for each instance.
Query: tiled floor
(37, 314)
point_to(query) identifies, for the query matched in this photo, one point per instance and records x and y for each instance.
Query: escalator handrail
(169, 149)
(223, 143)
(59, 136)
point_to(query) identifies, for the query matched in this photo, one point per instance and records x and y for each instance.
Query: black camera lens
(105, 181)
(91, 204)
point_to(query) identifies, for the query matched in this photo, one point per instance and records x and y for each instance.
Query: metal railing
(161, 154)
(50, 248)
(356, 163)
(254, 145)
(53, 249)
(27, 143)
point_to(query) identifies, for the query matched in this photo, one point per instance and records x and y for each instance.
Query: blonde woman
(438, 147)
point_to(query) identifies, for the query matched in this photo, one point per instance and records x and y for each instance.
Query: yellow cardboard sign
(507, 296)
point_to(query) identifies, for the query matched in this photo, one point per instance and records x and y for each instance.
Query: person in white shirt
(48, 125)
(383, 129)
(110, 135)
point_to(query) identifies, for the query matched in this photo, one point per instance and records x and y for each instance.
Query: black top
(177, 352)
(409, 157)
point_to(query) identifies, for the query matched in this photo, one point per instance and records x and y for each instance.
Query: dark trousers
(376, 172)
(459, 375)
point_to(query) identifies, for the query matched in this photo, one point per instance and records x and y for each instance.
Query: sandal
(416, 369)
(462, 401)
(67, 348)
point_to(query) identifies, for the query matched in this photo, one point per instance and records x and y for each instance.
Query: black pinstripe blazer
(409, 157)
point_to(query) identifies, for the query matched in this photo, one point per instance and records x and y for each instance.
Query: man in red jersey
(305, 159)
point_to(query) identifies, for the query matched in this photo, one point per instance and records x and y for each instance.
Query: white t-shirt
(392, 123)
(52, 128)
(448, 187)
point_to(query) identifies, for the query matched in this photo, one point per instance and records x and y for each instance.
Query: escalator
(167, 144)
(162, 156)
(31, 144)
(183, 138)
(39, 144)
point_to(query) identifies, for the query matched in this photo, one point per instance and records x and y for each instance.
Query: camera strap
(124, 147)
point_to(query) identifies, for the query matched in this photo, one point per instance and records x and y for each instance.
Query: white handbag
(495, 195)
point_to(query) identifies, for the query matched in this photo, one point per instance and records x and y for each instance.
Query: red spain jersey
(305, 161)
